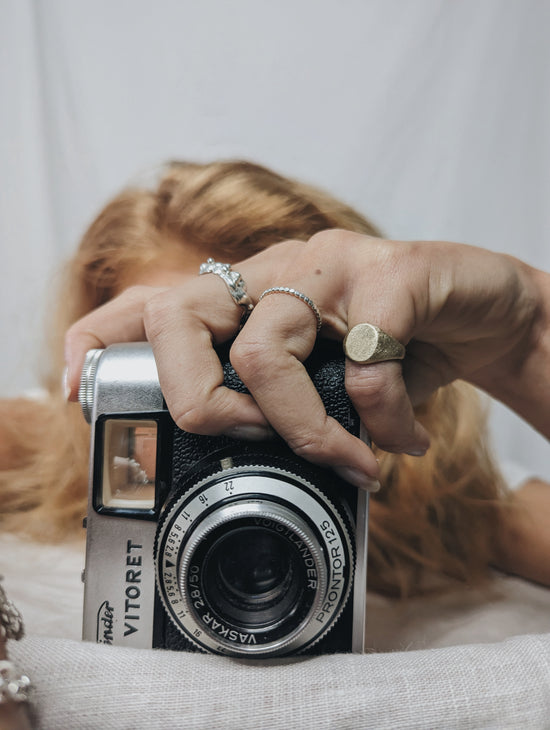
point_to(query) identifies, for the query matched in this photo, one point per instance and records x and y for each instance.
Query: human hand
(461, 312)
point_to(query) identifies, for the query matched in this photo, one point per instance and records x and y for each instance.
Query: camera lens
(250, 564)
(253, 577)
(254, 569)
(253, 560)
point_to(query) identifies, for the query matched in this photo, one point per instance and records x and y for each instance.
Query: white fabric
(441, 669)
(431, 116)
(92, 687)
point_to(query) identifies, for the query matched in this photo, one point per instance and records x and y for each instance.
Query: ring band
(298, 294)
(234, 282)
(367, 343)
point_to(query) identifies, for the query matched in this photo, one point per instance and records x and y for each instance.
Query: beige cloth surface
(94, 687)
(450, 675)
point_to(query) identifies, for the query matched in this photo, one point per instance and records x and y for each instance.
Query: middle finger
(183, 325)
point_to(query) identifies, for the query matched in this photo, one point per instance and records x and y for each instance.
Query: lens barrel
(253, 577)
(254, 560)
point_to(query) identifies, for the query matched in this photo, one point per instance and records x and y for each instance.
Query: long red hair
(433, 516)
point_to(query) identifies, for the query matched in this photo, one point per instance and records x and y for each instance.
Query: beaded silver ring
(299, 295)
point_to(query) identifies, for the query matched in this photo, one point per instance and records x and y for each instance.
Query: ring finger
(268, 355)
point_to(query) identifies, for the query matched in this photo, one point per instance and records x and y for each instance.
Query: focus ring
(269, 485)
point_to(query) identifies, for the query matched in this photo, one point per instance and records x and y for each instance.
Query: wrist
(521, 379)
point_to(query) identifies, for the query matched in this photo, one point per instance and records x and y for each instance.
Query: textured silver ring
(234, 282)
(299, 295)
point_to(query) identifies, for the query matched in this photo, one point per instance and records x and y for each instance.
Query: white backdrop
(432, 117)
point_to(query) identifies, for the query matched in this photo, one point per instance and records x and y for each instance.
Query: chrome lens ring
(222, 634)
(282, 496)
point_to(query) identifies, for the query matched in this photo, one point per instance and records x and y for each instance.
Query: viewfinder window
(129, 464)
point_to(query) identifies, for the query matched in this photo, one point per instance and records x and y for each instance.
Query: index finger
(119, 320)
(183, 325)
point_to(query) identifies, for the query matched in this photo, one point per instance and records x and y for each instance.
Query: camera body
(213, 544)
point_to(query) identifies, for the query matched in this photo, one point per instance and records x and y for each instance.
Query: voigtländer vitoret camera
(214, 544)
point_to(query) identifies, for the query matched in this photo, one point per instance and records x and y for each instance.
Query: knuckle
(133, 297)
(369, 386)
(248, 357)
(311, 445)
(207, 412)
(336, 242)
(152, 321)
(193, 419)
(136, 292)
(327, 239)
(155, 314)
(81, 332)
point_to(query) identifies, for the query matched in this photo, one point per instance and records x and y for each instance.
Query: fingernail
(250, 433)
(357, 478)
(65, 387)
(416, 452)
(422, 440)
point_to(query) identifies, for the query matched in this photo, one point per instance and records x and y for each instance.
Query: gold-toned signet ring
(366, 343)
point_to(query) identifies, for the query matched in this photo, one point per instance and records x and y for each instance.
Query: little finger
(378, 392)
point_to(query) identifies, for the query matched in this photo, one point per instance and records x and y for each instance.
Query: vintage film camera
(212, 544)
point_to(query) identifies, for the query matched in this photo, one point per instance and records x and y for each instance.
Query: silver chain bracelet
(11, 622)
(14, 686)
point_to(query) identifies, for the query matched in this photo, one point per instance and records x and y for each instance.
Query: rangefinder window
(129, 465)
